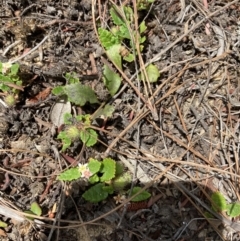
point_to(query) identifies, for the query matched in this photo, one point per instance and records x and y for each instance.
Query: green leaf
(106, 111)
(140, 197)
(72, 78)
(67, 118)
(142, 27)
(58, 90)
(108, 169)
(116, 18)
(19, 83)
(89, 137)
(129, 58)
(5, 79)
(123, 32)
(111, 80)
(152, 72)
(4, 87)
(128, 13)
(108, 189)
(120, 182)
(3, 224)
(208, 215)
(86, 119)
(144, 5)
(70, 174)
(1, 67)
(107, 38)
(113, 54)
(65, 140)
(94, 165)
(93, 179)
(29, 212)
(95, 194)
(14, 69)
(142, 40)
(233, 209)
(36, 209)
(80, 94)
(218, 202)
(119, 169)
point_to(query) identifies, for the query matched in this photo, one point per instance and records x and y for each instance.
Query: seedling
(10, 82)
(104, 177)
(219, 204)
(35, 209)
(112, 40)
(76, 128)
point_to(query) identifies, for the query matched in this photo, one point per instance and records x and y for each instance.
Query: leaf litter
(193, 64)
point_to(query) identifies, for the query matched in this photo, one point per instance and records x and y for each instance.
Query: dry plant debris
(167, 109)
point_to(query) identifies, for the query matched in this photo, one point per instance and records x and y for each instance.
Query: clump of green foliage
(119, 44)
(10, 83)
(78, 127)
(219, 204)
(105, 177)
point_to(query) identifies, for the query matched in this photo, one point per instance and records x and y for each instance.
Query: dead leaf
(2, 233)
(58, 111)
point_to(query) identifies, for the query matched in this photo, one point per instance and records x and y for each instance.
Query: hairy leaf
(94, 165)
(89, 137)
(70, 174)
(95, 194)
(108, 169)
(80, 94)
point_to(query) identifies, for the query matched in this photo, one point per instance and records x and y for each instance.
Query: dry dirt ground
(180, 139)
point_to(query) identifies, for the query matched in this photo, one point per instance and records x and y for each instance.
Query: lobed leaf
(116, 18)
(89, 137)
(108, 169)
(94, 165)
(107, 38)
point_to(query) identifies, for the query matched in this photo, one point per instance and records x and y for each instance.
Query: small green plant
(78, 127)
(76, 92)
(219, 204)
(105, 177)
(117, 38)
(10, 83)
(144, 4)
(35, 209)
